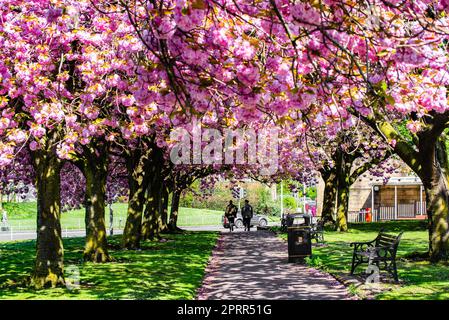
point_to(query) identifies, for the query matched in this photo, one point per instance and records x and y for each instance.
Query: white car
(257, 220)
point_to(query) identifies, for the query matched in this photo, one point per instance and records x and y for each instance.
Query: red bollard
(368, 215)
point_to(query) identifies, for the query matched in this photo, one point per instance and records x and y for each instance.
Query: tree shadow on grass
(420, 279)
(169, 270)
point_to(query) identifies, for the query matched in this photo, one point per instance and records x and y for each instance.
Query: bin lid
(300, 228)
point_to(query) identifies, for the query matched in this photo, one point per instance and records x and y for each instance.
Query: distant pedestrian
(231, 214)
(247, 214)
(4, 217)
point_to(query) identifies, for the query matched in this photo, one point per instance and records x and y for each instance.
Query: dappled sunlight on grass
(420, 279)
(161, 270)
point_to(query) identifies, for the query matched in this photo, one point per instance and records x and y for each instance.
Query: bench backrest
(387, 240)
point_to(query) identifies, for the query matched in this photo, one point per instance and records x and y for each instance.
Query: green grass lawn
(161, 270)
(22, 216)
(421, 279)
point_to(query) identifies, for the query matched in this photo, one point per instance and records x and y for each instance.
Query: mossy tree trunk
(427, 156)
(152, 223)
(435, 181)
(49, 265)
(95, 169)
(341, 222)
(343, 167)
(138, 177)
(152, 220)
(330, 195)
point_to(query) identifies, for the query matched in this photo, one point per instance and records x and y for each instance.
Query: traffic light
(238, 193)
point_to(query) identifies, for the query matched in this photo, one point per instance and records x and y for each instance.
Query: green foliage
(269, 208)
(265, 205)
(257, 194)
(22, 210)
(405, 133)
(264, 195)
(169, 270)
(187, 200)
(289, 202)
(311, 193)
(314, 261)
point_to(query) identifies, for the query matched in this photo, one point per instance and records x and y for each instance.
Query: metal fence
(71, 224)
(12, 234)
(17, 230)
(389, 213)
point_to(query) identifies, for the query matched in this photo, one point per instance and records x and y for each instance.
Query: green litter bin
(299, 243)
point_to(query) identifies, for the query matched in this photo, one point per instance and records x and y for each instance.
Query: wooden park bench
(380, 252)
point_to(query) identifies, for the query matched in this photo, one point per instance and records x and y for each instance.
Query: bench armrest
(362, 243)
(362, 246)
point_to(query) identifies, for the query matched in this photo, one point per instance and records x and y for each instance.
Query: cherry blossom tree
(385, 62)
(61, 69)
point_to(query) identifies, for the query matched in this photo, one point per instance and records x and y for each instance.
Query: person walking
(5, 225)
(247, 214)
(4, 217)
(231, 214)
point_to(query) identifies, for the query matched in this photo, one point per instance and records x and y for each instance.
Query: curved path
(253, 265)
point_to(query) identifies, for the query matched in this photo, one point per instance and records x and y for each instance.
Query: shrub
(268, 208)
(290, 202)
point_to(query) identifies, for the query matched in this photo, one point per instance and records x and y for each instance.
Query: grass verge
(169, 270)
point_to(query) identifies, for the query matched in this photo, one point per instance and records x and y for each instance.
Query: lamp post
(304, 197)
(282, 200)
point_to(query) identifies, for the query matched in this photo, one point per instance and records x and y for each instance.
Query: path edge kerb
(212, 267)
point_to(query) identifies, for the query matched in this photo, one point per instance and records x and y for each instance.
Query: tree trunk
(173, 224)
(342, 207)
(435, 182)
(49, 267)
(96, 249)
(343, 167)
(138, 182)
(152, 220)
(329, 197)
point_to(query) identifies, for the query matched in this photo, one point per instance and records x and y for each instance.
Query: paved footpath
(253, 265)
